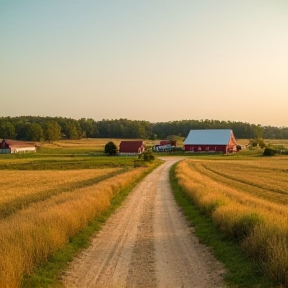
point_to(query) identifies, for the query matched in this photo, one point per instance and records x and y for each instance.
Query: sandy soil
(146, 243)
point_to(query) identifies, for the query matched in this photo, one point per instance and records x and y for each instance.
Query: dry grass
(30, 236)
(242, 199)
(264, 178)
(96, 144)
(280, 142)
(24, 183)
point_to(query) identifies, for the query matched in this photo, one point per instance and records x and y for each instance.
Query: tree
(35, 132)
(7, 130)
(71, 131)
(89, 128)
(110, 148)
(258, 131)
(153, 136)
(52, 131)
(148, 156)
(22, 128)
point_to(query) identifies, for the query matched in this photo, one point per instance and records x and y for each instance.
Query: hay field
(247, 200)
(47, 198)
(30, 236)
(80, 146)
(22, 188)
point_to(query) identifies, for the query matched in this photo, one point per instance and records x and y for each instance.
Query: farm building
(14, 146)
(131, 147)
(164, 146)
(167, 142)
(210, 140)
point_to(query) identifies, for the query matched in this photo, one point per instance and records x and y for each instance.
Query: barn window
(199, 148)
(207, 148)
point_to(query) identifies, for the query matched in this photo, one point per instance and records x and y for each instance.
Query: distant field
(40, 161)
(85, 145)
(283, 142)
(246, 196)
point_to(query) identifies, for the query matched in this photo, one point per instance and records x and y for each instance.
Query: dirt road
(146, 243)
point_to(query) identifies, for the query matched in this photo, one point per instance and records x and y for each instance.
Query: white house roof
(208, 137)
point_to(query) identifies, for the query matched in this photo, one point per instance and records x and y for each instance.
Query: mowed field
(46, 198)
(87, 145)
(246, 195)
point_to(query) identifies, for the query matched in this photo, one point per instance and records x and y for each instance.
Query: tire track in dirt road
(146, 243)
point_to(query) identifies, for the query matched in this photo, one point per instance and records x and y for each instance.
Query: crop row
(263, 182)
(260, 225)
(22, 188)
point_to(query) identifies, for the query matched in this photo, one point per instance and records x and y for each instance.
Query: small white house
(15, 146)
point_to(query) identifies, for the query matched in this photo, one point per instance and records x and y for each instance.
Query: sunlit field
(86, 145)
(283, 142)
(247, 199)
(22, 188)
(47, 198)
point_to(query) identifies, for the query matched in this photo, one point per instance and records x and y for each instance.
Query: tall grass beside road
(30, 236)
(244, 207)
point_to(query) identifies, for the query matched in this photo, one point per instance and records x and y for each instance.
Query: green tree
(153, 136)
(52, 131)
(110, 148)
(7, 130)
(89, 128)
(261, 143)
(35, 132)
(22, 128)
(258, 131)
(148, 156)
(71, 131)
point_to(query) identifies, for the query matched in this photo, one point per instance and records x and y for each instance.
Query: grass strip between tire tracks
(241, 271)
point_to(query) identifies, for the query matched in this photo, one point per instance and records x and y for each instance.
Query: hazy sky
(145, 60)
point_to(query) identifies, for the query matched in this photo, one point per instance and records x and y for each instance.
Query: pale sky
(145, 60)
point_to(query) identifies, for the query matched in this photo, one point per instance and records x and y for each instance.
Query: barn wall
(232, 145)
(205, 148)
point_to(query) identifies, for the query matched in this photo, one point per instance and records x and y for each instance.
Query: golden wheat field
(47, 198)
(33, 233)
(25, 183)
(246, 199)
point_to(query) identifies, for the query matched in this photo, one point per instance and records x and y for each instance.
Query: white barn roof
(208, 137)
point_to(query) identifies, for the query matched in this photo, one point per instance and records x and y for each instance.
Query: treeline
(36, 128)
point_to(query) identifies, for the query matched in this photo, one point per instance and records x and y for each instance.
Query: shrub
(110, 148)
(147, 156)
(270, 151)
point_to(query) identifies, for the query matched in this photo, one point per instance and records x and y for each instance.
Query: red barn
(211, 140)
(131, 147)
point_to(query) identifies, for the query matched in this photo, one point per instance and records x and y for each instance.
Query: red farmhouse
(210, 140)
(131, 147)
